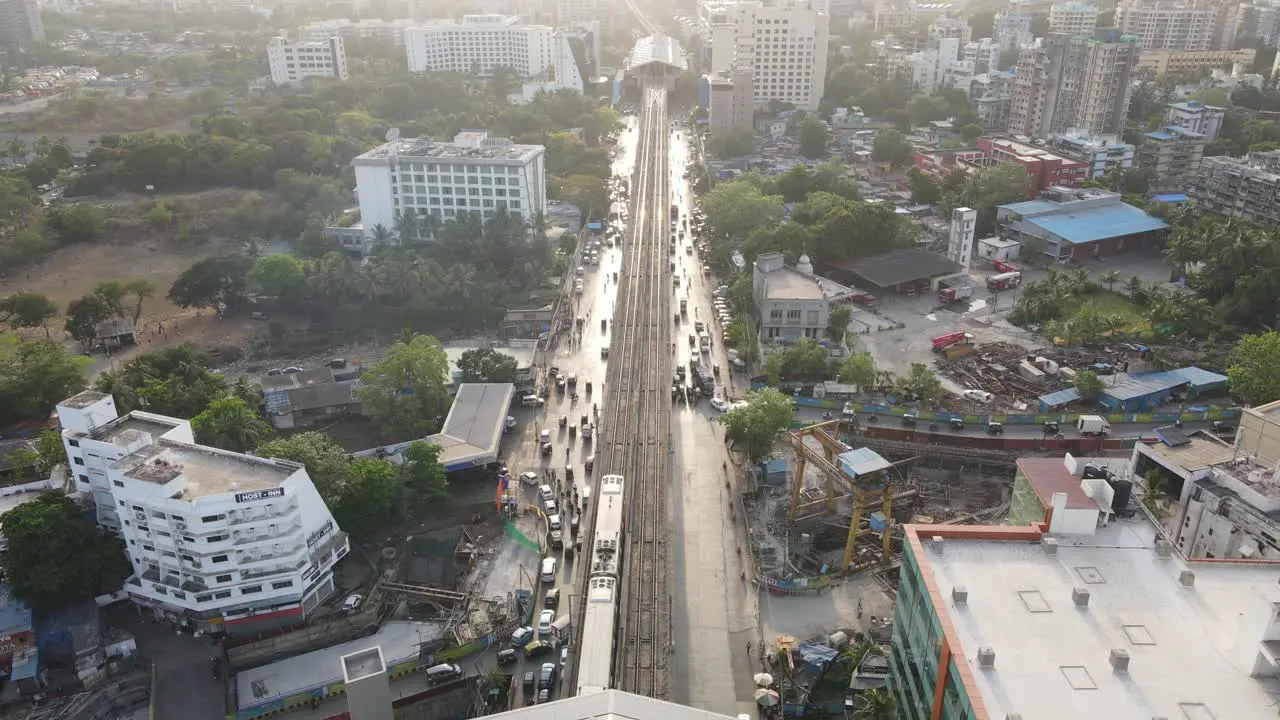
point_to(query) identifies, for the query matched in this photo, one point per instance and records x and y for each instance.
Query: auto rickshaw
(568, 473)
(589, 463)
(604, 324)
(564, 420)
(573, 431)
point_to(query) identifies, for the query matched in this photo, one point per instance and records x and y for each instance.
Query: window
(203, 598)
(222, 578)
(163, 533)
(251, 590)
(85, 479)
(282, 585)
(212, 518)
(775, 314)
(73, 443)
(223, 595)
(180, 596)
(149, 548)
(78, 461)
(215, 538)
(219, 558)
(793, 315)
(188, 558)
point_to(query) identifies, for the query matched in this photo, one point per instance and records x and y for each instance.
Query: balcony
(244, 517)
(256, 573)
(247, 537)
(246, 558)
(336, 544)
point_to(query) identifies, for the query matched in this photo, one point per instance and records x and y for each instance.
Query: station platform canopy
(656, 53)
(472, 431)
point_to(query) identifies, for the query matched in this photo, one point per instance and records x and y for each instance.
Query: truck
(1093, 425)
(1003, 266)
(942, 342)
(1004, 281)
(675, 211)
(703, 377)
(955, 294)
(684, 306)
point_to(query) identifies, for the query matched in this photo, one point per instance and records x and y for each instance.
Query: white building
(960, 235)
(732, 105)
(1012, 27)
(479, 44)
(1169, 24)
(940, 68)
(1196, 117)
(944, 28)
(565, 73)
(474, 173)
(1102, 152)
(220, 538)
(1073, 18)
(790, 300)
(296, 63)
(984, 54)
(997, 248)
(783, 41)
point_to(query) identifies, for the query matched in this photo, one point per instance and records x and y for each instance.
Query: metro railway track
(636, 427)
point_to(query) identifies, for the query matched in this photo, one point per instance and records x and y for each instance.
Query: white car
(544, 620)
(979, 396)
(545, 492)
(720, 404)
(352, 603)
(529, 478)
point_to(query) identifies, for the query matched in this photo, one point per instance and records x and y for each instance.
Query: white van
(548, 574)
(443, 673)
(531, 400)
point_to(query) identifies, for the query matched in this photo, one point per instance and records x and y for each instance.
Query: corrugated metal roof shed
(1135, 387)
(1060, 398)
(862, 461)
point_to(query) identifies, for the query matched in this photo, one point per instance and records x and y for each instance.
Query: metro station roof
(657, 51)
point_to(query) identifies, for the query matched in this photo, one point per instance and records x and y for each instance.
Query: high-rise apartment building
(947, 28)
(1012, 27)
(1073, 18)
(1196, 117)
(1172, 154)
(224, 540)
(1102, 153)
(479, 44)
(784, 42)
(296, 63)
(1066, 82)
(1169, 24)
(475, 173)
(1247, 188)
(20, 24)
(731, 102)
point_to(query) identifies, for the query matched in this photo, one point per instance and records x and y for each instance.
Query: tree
(970, 132)
(229, 423)
(34, 376)
(217, 283)
(892, 147)
(280, 276)
(75, 224)
(988, 187)
(325, 460)
(486, 365)
(1110, 278)
(859, 369)
(839, 324)
(84, 316)
(175, 381)
(140, 289)
(924, 189)
(28, 310)
(1254, 371)
(920, 382)
(736, 208)
(112, 294)
(424, 478)
(813, 137)
(731, 144)
(56, 555)
(755, 425)
(1088, 384)
(370, 497)
(405, 392)
(875, 704)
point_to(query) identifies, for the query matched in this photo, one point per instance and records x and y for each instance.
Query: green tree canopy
(175, 381)
(34, 376)
(405, 392)
(813, 137)
(229, 423)
(735, 209)
(28, 310)
(756, 425)
(859, 369)
(325, 460)
(486, 365)
(425, 481)
(217, 283)
(920, 382)
(924, 189)
(370, 498)
(280, 276)
(56, 555)
(731, 144)
(892, 147)
(1254, 372)
(983, 190)
(1088, 384)
(84, 316)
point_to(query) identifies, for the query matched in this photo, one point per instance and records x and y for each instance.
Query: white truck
(1093, 425)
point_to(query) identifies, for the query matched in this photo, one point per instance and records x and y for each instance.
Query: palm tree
(875, 704)
(1110, 278)
(407, 226)
(380, 235)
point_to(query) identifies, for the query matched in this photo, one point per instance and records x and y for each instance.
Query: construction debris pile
(1007, 371)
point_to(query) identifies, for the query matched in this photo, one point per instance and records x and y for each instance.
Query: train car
(595, 655)
(606, 545)
(600, 617)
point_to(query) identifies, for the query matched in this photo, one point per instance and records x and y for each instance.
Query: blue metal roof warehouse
(1065, 217)
(1144, 391)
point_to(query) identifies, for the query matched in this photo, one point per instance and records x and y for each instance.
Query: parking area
(185, 686)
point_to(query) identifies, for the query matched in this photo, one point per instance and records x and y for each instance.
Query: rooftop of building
(472, 430)
(362, 664)
(1192, 650)
(325, 395)
(787, 283)
(1173, 132)
(1253, 167)
(261, 685)
(1024, 150)
(15, 616)
(1049, 476)
(84, 399)
(522, 355)
(290, 381)
(207, 471)
(466, 145)
(1195, 106)
(657, 50)
(1088, 223)
(1270, 411)
(125, 430)
(1192, 451)
(609, 705)
(898, 267)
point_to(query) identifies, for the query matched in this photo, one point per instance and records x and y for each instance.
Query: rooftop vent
(1013, 716)
(1187, 578)
(1163, 548)
(1050, 546)
(1120, 660)
(960, 595)
(986, 656)
(937, 544)
(1080, 596)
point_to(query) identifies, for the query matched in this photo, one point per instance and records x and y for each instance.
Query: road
(714, 613)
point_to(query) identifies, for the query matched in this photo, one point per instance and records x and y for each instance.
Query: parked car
(544, 620)
(507, 657)
(552, 598)
(352, 603)
(521, 636)
(536, 648)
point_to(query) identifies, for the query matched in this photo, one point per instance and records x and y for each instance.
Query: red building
(1045, 168)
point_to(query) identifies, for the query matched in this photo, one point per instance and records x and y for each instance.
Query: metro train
(600, 622)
